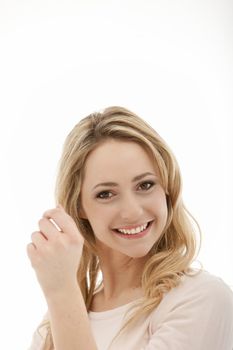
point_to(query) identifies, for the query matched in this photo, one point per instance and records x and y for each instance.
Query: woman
(114, 257)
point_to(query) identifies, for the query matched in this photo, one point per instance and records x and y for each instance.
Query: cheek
(98, 221)
(101, 214)
(161, 209)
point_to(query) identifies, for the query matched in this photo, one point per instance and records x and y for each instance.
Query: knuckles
(52, 212)
(72, 234)
(34, 234)
(41, 221)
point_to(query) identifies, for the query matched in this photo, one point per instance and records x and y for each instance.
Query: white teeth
(134, 231)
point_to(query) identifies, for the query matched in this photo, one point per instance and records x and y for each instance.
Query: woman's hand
(55, 254)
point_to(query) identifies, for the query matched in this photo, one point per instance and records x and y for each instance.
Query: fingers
(47, 232)
(62, 220)
(38, 239)
(48, 229)
(51, 225)
(31, 250)
(37, 245)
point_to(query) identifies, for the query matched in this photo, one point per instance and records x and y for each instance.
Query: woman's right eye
(104, 195)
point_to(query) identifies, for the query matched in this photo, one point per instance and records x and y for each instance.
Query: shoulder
(201, 293)
(204, 281)
(204, 287)
(200, 309)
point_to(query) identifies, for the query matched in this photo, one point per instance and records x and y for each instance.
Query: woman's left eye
(147, 185)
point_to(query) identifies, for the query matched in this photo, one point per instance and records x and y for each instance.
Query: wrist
(66, 292)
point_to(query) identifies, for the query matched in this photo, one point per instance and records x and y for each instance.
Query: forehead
(115, 157)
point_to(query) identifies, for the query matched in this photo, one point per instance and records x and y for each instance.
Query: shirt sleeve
(40, 338)
(201, 319)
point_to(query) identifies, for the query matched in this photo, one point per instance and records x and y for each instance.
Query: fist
(55, 251)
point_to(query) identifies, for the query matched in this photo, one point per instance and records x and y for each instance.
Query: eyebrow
(114, 184)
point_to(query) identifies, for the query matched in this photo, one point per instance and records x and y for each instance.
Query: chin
(139, 253)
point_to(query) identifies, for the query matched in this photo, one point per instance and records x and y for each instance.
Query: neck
(121, 275)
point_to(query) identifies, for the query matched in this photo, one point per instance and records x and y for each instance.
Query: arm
(69, 320)
(55, 254)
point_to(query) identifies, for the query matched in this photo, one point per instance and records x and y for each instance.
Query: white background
(171, 62)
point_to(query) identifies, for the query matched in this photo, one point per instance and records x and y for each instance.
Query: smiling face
(121, 190)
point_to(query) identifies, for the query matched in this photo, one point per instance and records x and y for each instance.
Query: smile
(134, 230)
(138, 231)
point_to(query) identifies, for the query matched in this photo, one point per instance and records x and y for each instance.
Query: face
(121, 191)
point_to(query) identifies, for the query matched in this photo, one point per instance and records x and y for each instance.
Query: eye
(104, 195)
(146, 185)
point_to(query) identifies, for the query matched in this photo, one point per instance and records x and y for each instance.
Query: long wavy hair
(177, 248)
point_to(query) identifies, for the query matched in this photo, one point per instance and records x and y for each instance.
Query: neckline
(111, 312)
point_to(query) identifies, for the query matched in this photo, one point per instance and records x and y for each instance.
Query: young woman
(114, 257)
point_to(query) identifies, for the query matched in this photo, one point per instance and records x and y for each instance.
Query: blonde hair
(172, 255)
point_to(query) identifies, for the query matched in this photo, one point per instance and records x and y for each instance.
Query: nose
(131, 209)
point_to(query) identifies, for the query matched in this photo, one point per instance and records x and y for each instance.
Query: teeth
(133, 231)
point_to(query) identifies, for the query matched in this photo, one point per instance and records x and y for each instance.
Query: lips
(132, 227)
(135, 235)
(133, 231)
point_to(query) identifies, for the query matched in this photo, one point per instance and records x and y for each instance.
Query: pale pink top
(196, 315)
